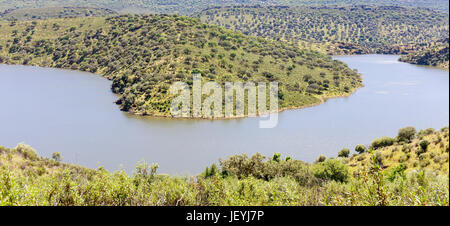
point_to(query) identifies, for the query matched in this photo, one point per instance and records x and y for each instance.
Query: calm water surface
(74, 113)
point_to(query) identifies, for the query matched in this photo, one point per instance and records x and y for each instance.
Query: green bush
(321, 158)
(57, 156)
(425, 132)
(210, 171)
(382, 142)
(331, 169)
(423, 147)
(344, 153)
(406, 134)
(360, 148)
(27, 151)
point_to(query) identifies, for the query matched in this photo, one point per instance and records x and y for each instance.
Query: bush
(321, 158)
(406, 134)
(27, 151)
(242, 166)
(425, 132)
(382, 142)
(331, 169)
(360, 148)
(423, 147)
(276, 157)
(378, 158)
(210, 171)
(344, 153)
(397, 171)
(57, 156)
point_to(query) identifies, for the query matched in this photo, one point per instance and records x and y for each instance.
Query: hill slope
(391, 176)
(54, 12)
(343, 30)
(144, 55)
(188, 7)
(436, 55)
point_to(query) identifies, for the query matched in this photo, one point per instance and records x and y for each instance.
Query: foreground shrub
(331, 169)
(241, 166)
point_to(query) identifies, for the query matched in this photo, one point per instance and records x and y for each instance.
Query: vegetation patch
(54, 12)
(144, 55)
(337, 30)
(382, 177)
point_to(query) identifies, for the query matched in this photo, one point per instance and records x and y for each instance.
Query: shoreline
(322, 99)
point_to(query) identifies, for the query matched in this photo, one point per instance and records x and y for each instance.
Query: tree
(360, 148)
(344, 153)
(57, 156)
(321, 158)
(276, 157)
(406, 134)
(423, 146)
(382, 142)
(332, 169)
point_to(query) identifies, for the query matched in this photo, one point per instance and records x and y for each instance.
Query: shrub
(423, 147)
(360, 148)
(276, 157)
(406, 134)
(382, 142)
(321, 158)
(397, 172)
(378, 158)
(57, 156)
(344, 153)
(242, 166)
(27, 151)
(331, 169)
(425, 132)
(210, 171)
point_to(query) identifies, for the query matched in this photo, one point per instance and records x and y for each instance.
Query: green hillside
(412, 170)
(436, 55)
(188, 7)
(339, 30)
(54, 12)
(144, 55)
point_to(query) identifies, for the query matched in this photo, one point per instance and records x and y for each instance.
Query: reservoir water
(74, 113)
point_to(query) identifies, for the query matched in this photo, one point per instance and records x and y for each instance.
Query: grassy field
(398, 172)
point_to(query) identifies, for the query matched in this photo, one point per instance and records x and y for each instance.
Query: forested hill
(435, 55)
(144, 55)
(188, 7)
(342, 30)
(54, 12)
